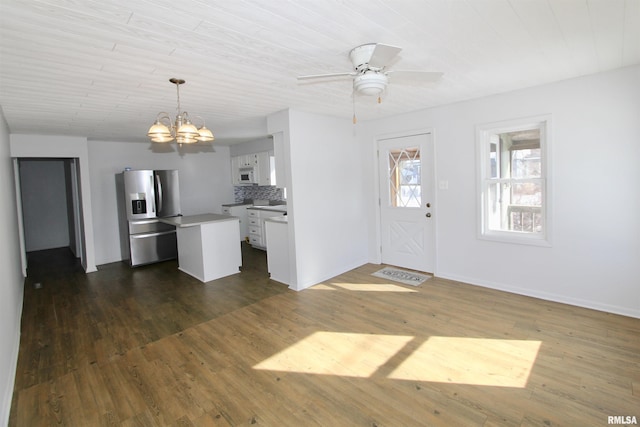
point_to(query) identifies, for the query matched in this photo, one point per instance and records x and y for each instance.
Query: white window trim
(483, 167)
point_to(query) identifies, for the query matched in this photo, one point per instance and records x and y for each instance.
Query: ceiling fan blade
(414, 76)
(382, 55)
(322, 76)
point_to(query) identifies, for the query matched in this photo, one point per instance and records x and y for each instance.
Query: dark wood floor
(152, 346)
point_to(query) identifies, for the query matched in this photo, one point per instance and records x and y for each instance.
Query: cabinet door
(264, 169)
(279, 160)
(249, 160)
(235, 170)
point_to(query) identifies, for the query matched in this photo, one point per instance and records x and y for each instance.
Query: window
(404, 178)
(513, 163)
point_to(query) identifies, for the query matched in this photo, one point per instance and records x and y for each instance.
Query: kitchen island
(208, 245)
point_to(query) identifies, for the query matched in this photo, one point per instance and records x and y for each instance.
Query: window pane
(405, 177)
(526, 194)
(494, 207)
(410, 196)
(515, 207)
(494, 158)
(516, 155)
(526, 163)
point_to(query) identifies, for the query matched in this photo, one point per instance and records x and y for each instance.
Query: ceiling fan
(370, 74)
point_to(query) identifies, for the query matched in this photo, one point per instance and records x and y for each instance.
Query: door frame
(377, 193)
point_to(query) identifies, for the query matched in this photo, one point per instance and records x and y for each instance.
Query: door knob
(428, 215)
(428, 205)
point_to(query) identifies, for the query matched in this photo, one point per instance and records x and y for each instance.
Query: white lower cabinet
(241, 213)
(277, 237)
(255, 218)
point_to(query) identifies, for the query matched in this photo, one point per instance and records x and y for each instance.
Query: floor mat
(402, 276)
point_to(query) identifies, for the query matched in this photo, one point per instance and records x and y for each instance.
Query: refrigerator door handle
(159, 193)
(153, 202)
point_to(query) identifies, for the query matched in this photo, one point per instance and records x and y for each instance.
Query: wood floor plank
(152, 346)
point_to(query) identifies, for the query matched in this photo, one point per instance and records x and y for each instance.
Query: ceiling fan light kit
(182, 130)
(371, 83)
(370, 75)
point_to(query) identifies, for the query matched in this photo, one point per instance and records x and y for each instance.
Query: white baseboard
(336, 272)
(547, 296)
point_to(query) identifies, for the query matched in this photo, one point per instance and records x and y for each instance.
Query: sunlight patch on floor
(337, 353)
(363, 287)
(478, 361)
(456, 360)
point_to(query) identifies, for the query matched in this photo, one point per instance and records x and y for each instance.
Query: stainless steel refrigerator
(149, 195)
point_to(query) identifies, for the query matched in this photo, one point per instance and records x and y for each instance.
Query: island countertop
(193, 220)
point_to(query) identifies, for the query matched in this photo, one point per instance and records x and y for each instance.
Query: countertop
(278, 219)
(276, 208)
(193, 220)
(230, 205)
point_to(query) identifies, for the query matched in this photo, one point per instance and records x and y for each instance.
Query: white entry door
(406, 201)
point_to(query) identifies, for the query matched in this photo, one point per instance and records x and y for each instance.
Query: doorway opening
(50, 209)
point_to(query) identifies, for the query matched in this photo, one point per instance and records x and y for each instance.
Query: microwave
(246, 176)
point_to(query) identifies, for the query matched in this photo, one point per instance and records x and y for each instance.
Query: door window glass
(404, 178)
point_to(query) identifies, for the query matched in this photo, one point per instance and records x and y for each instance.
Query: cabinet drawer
(253, 213)
(255, 230)
(254, 221)
(255, 240)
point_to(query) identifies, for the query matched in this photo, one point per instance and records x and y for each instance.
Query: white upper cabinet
(266, 170)
(279, 163)
(247, 160)
(263, 165)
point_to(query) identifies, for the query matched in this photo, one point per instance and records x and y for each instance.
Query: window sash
(505, 218)
(526, 223)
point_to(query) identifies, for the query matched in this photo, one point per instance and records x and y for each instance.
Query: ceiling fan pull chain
(353, 100)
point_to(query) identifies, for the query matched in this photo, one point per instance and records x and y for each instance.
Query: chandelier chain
(178, 92)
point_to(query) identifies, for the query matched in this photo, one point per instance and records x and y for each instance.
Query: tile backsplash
(267, 192)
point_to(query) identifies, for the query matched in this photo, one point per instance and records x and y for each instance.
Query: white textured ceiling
(100, 69)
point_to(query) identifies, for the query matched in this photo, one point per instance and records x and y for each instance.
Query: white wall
(205, 184)
(326, 204)
(595, 178)
(250, 147)
(12, 284)
(44, 204)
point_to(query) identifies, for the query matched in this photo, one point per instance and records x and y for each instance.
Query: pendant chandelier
(181, 129)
